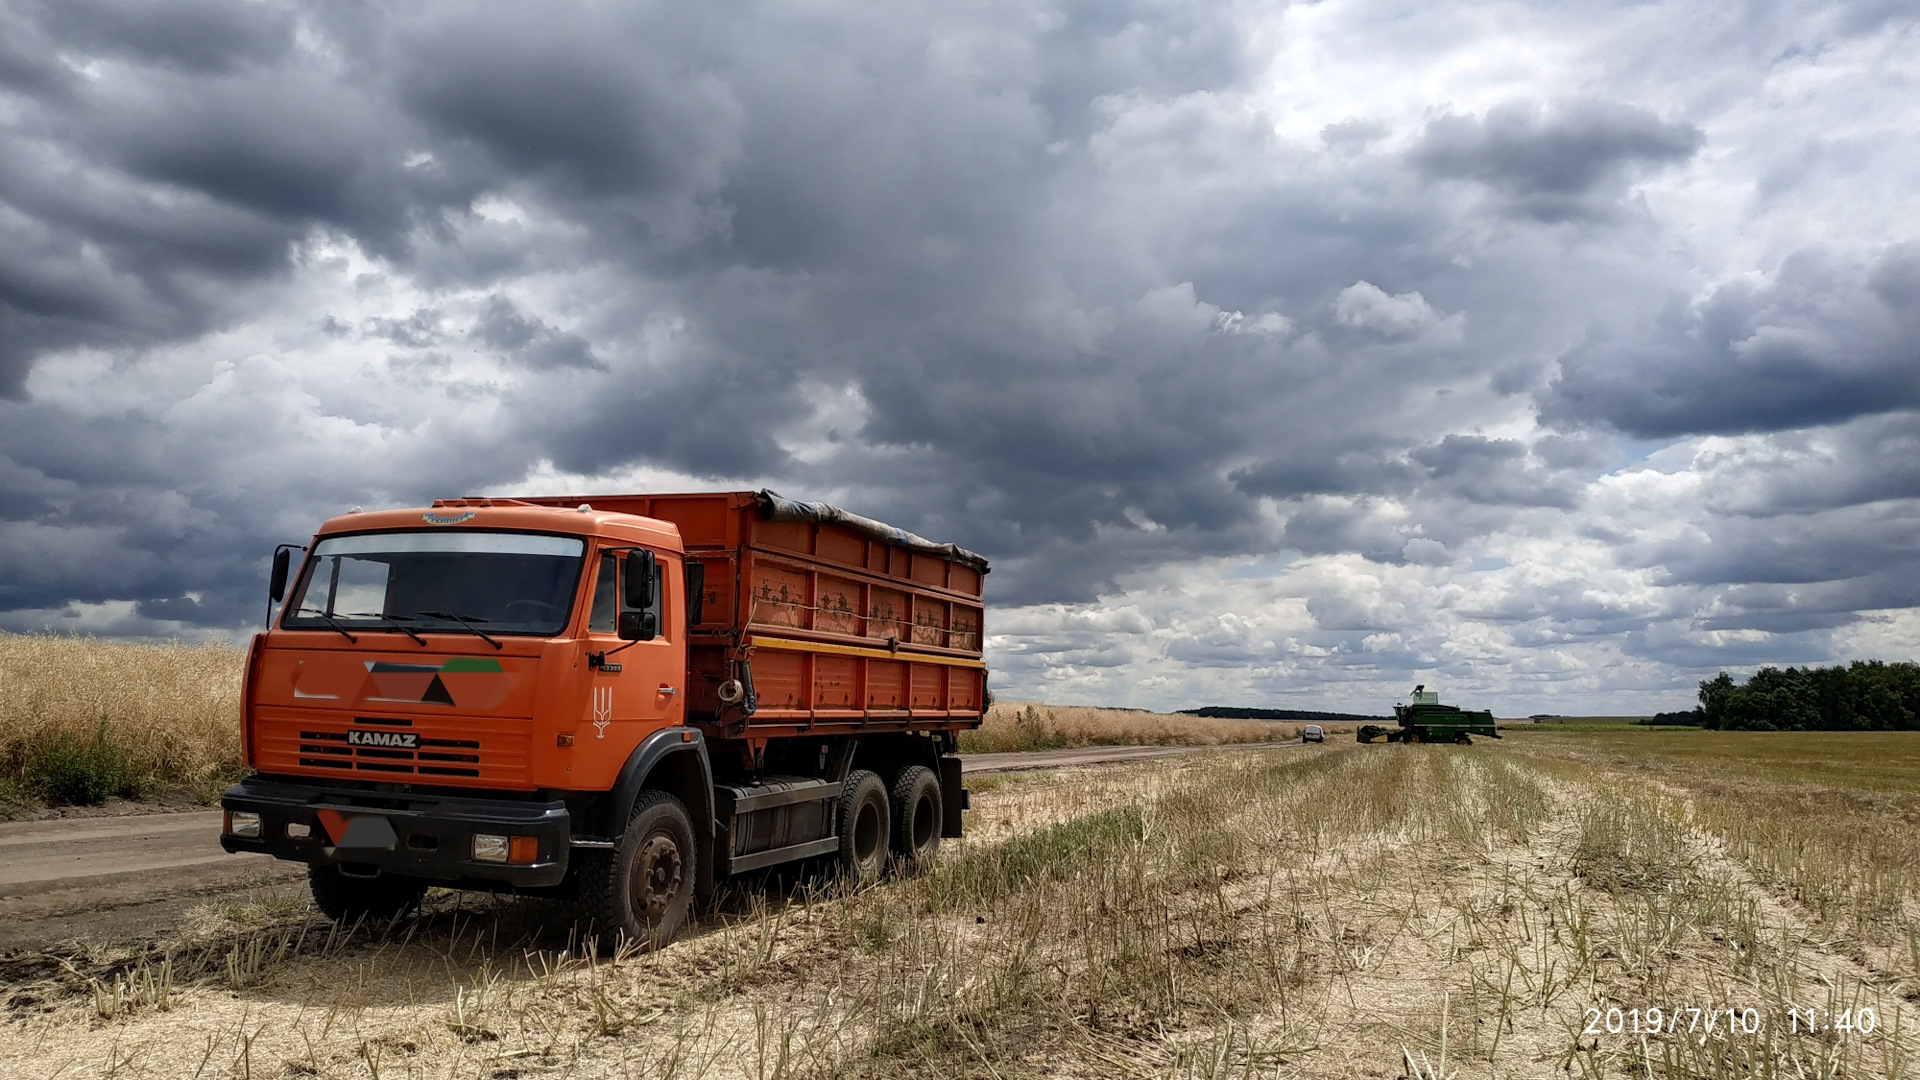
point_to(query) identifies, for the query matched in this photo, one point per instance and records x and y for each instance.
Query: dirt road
(108, 878)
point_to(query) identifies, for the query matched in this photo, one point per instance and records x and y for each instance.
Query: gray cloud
(195, 36)
(1349, 137)
(1822, 341)
(1554, 163)
(1474, 468)
(1494, 472)
(530, 341)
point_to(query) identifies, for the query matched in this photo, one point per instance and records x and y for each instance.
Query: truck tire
(642, 890)
(863, 828)
(350, 899)
(915, 799)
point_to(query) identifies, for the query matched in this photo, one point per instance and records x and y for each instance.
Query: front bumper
(424, 836)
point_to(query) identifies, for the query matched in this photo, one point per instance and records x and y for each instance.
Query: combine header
(1428, 721)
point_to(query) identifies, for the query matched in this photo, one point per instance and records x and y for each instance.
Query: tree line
(1866, 695)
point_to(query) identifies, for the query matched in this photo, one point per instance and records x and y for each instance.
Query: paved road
(135, 875)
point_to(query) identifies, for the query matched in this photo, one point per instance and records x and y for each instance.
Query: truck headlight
(488, 847)
(241, 823)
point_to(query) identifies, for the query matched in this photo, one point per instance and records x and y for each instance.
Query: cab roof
(510, 515)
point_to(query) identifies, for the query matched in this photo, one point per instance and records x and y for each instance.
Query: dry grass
(1018, 725)
(1411, 911)
(136, 718)
(1827, 822)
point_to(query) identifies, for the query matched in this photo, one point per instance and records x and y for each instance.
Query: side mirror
(639, 626)
(277, 585)
(638, 577)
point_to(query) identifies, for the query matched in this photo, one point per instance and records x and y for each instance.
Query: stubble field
(1369, 911)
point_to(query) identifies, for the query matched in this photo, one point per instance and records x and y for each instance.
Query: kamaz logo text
(402, 740)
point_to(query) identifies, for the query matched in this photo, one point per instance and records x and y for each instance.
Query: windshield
(498, 583)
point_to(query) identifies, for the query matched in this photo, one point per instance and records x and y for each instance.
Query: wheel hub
(655, 879)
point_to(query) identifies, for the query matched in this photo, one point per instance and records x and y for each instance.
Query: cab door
(637, 686)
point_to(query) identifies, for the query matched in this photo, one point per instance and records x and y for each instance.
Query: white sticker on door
(602, 710)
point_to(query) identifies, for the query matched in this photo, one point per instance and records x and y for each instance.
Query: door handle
(668, 690)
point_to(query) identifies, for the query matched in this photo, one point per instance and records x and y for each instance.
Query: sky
(1558, 356)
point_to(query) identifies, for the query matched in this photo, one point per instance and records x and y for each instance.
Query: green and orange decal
(467, 682)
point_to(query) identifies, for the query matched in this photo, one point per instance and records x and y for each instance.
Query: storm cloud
(1816, 342)
(1270, 358)
(1554, 163)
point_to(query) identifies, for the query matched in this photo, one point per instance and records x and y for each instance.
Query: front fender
(665, 747)
(640, 764)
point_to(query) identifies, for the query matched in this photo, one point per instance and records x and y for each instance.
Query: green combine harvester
(1428, 721)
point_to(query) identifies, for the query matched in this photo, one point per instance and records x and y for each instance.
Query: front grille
(434, 757)
(465, 751)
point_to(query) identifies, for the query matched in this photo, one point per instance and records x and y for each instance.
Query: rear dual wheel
(864, 825)
(915, 800)
(879, 825)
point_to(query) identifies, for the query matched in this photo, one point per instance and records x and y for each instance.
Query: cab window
(606, 597)
(606, 594)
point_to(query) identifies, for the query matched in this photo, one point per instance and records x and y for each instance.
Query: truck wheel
(863, 828)
(349, 899)
(642, 890)
(916, 818)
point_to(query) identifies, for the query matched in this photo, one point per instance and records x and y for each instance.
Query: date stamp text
(1729, 1020)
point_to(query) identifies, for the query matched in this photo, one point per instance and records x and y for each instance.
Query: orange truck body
(794, 643)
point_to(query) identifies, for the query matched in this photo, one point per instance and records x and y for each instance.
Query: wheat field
(1020, 725)
(145, 717)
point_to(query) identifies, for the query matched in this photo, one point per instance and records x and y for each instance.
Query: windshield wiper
(393, 621)
(330, 622)
(466, 621)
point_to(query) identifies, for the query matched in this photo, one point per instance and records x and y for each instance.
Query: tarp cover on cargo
(774, 507)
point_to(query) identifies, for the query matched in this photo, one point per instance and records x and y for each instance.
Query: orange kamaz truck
(619, 699)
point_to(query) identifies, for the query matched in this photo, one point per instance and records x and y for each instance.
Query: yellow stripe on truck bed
(876, 654)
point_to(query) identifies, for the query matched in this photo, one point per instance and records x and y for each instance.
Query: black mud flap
(953, 797)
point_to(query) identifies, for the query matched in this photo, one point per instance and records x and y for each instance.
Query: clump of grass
(82, 720)
(66, 770)
(1030, 730)
(1632, 844)
(1024, 726)
(982, 875)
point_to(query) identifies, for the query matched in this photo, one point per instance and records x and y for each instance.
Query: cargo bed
(816, 621)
